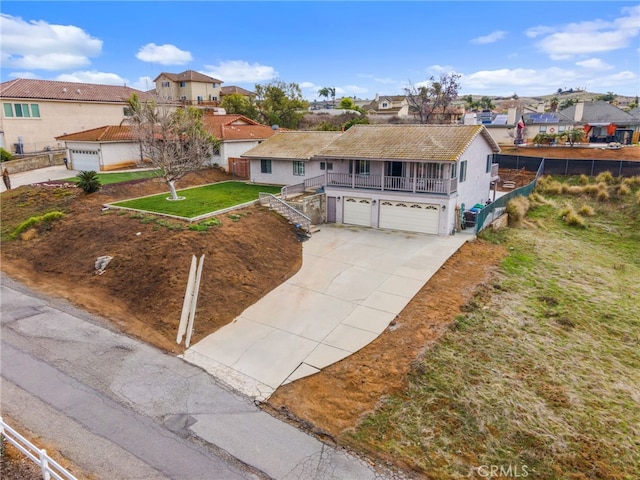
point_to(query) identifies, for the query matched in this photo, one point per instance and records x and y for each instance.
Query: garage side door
(412, 217)
(85, 160)
(357, 211)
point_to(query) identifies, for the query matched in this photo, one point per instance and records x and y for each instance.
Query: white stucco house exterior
(401, 177)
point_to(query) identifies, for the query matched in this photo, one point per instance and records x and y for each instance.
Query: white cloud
(143, 83)
(510, 80)
(241, 71)
(39, 45)
(307, 85)
(438, 69)
(491, 38)
(355, 89)
(163, 54)
(101, 78)
(594, 64)
(588, 37)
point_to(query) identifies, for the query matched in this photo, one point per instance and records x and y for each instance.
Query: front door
(395, 169)
(331, 209)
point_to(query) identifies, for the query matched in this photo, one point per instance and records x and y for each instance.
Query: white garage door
(357, 211)
(413, 217)
(85, 160)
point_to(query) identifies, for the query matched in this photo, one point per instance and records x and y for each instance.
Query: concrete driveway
(352, 284)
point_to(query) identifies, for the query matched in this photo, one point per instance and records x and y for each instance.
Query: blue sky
(361, 48)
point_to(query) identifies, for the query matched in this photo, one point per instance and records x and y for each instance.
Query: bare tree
(433, 97)
(174, 141)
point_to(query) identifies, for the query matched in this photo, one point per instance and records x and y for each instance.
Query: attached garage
(357, 211)
(409, 216)
(85, 160)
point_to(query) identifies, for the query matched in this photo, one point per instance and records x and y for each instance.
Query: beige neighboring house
(386, 106)
(236, 90)
(35, 112)
(189, 88)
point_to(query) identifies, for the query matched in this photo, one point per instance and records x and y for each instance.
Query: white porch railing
(286, 210)
(50, 468)
(401, 184)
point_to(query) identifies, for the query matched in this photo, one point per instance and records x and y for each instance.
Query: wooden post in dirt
(194, 301)
(188, 299)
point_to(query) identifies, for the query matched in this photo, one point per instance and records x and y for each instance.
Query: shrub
(632, 181)
(623, 189)
(606, 177)
(575, 190)
(88, 181)
(517, 208)
(584, 180)
(31, 222)
(592, 189)
(638, 197)
(570, 217)
(603, 195)
(587, 211)
(5, 155)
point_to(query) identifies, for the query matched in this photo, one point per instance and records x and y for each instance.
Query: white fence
(50, 468)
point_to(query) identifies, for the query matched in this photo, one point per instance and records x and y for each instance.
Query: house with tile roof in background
(35, 112)
(115, 147)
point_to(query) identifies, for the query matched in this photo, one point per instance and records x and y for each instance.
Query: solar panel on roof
(544, 118)
(500, 119)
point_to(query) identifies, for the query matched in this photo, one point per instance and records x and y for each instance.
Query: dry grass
(517, 208)
(587, 211)
(542, 370)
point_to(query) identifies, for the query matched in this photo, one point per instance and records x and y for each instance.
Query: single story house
(603, 122)
(115, 147)
(35, 112)
(402, 177)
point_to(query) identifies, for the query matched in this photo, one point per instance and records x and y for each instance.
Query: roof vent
(64, 90)
(78, 91)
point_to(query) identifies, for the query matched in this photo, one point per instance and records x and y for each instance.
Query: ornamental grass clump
(517, 208)
(587, 211)
(606, 177)
(570, 217)
(603, 195)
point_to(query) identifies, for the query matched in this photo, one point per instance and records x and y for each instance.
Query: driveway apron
(352, 284)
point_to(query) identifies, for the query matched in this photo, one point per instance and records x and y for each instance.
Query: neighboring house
(35, 112)
(388, 106)
(189, 88)
(502, 127)
(546, 122)
(237, 134)
(287, 158)
(400, 177)
(236, 90)
(603, 122)
(115, 147)
(102, 149)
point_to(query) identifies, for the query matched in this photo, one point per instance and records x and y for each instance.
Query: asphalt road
(118, 408)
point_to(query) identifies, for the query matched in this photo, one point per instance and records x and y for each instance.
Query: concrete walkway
(57, 172)
(352, 284)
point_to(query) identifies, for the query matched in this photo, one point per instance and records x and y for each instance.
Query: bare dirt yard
(142, 289)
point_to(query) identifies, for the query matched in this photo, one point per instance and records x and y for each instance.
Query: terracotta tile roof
(293, 145)
(109, 133)
(70, 91)
(236, 127)
(188, 76)
(406, 142)
(240, 90)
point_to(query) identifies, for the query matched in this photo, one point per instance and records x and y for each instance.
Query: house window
(166, 84)
(488, 163)
(561, 128)
(22, 110)
(215, 85)
(298, 168)
(454, 170)
(213, 98)
(362, 167)
(8, 109)
(543, 129)
(463, 171)
(35, 110)
(183, 84)
(265, 166)
(326, 165)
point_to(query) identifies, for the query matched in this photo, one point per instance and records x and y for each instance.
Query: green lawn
(200, 200)
(118, 177)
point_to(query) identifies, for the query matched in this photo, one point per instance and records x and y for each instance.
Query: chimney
(511, 116)
(540, 108)
(577, 117)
